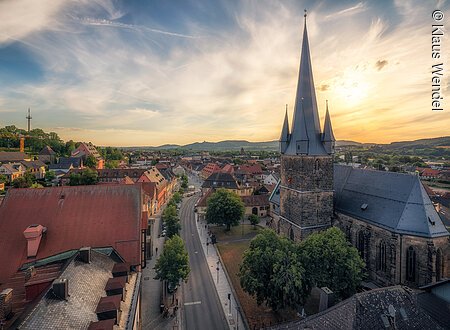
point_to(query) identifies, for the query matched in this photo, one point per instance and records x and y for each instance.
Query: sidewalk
(223, 287)
(152, 318)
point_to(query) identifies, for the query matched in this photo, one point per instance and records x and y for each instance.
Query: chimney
(33, 235)
(326, 299)
(84, 255)
(5, 304)
(60, 288)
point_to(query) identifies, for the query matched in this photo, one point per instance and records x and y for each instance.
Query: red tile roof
(96, 216)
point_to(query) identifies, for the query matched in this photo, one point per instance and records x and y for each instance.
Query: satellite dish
(391, 310)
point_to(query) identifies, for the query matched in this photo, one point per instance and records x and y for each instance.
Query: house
(209, 169)
(47, 155)
(40, 228)
(65, 164)
(271, 178)
(429, 173)
(395, 307)
(162, 186)
(85, 150)
(13, 157)
(35, 167)
(179, 170)
(12, 171)
(86, 279)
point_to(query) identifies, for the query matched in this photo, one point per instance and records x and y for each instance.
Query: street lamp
(218, 262)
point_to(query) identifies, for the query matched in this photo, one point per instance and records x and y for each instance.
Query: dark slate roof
(255, 200)
(66, 162)
(436, 307)
(275, 195)
(6, 156)
(305, 123)
(220, 180)
(366, 311)
(47, 151)
(86, 285)
(35, 164)
(394, 201)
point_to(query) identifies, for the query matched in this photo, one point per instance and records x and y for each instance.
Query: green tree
(90, 161)
(271, 271)
(171, 220)
(85, 177)
(177, 197)
(254, 220)
(330, 261)
(224, 207)
(112, 164)
(3, 178)
(173, 263)
(184, 181)
(25, 181)
(50, 175)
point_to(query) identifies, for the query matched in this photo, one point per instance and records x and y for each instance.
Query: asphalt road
(201, 306)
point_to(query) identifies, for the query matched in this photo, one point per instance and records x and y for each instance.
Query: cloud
(380, 64)
(137, 84)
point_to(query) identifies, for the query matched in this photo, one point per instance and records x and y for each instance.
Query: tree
(112, 164)
(330, 261)
(271, 271)
(171, 220)
(254, 220)
(3, 178)
(173, 263)
(224, 207)
(25, 181)
(177, 197)
(85, 177)
(90, 161)
(50, 175)
(184, 181)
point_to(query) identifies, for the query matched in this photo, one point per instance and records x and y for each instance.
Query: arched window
(278, 226)
(361, 245)
(382, 256)
(411, 265)
(316, 165)
(439, 265)
(291, 233)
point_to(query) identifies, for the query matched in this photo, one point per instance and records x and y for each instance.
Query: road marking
(192, 303)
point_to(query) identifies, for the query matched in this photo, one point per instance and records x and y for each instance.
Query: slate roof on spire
(306, 115)
(285, 131)
(327, 129)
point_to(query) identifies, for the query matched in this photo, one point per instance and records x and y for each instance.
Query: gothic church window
(382, 256)
(291, 233)
(361, 245)
(439, 265)
(316, 166)
(411, 264)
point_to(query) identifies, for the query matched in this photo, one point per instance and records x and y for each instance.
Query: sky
(134, 73)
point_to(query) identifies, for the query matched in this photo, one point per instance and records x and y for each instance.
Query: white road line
(192, 303)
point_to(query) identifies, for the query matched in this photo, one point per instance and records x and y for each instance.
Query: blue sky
(155, 72)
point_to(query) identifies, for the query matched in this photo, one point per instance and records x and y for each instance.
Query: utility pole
(29, 120)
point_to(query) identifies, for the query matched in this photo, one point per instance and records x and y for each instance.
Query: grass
(231, 246)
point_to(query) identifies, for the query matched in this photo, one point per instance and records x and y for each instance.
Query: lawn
(231, 246)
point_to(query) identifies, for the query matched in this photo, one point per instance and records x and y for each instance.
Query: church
(387, 216)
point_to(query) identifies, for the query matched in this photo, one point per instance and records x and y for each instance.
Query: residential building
(35, 167)
(13, 157)
(209, 169)
(88, 149)
(47, 155)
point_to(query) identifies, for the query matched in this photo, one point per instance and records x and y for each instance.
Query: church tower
(306, 188)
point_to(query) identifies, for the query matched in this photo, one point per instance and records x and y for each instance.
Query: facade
(387, 216)
(47, 155)
(12, 171)
(88, 149)
(35, 167)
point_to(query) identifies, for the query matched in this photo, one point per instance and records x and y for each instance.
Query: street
(201, 307)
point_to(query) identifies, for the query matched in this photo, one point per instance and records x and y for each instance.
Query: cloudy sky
(178, 71)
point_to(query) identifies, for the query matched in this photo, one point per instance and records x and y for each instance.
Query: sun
(351, 88)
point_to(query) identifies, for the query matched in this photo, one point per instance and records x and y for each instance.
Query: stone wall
(306, 194)
(370, 237)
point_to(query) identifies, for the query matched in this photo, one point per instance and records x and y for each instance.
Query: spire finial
(306, 14)
(327, 104)
(286, 107)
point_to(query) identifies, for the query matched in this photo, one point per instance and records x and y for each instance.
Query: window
(278, 226)
(439, 265)
(291, 233)
(361, 245)
(316, 165)
(411, 265)
(382, 256)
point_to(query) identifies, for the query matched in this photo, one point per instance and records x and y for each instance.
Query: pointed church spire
(284, 138)
(306, 116)
(328, 136)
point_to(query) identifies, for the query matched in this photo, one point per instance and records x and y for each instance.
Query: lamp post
(218, 262)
